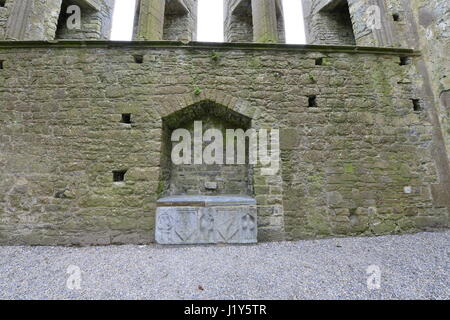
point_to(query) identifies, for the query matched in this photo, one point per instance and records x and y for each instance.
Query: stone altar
(206, 219)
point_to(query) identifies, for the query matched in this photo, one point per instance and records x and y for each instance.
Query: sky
(210, 20)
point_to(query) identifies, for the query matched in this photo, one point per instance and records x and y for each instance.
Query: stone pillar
(280, 22)
(18, 16)
(238, 24)
(366, 12)
(150, 25)
(32, 20)
(254, 21)
(328, 22)
(265, 26)
(46, 20)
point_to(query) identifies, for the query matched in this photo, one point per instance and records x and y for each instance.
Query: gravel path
(412, 267)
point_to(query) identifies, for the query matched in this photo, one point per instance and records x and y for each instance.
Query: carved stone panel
(208, 224)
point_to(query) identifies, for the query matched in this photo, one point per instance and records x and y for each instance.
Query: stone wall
(46, 20)
(433, 28)
(421, 25)
(358, 162)
(280, 23)
(384, 35)
(425, 25)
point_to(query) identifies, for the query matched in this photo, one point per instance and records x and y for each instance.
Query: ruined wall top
(166, 20)
(245, 20)
(56, 19)
(254, 21)
(377, 23)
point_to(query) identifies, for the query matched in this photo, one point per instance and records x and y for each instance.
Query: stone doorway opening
(240, 22)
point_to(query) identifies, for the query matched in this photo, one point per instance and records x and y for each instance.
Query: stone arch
(178, 102)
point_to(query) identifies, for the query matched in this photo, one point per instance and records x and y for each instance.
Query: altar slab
(206, 220)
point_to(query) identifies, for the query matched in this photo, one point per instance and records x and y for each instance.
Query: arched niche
(204, 179)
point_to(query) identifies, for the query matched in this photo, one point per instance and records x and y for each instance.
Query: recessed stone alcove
(206, 219)
(204, 179)
(205, 203)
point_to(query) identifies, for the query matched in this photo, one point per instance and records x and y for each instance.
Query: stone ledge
(201, 219)
(207, 45)
(206, 201)
(91, 4)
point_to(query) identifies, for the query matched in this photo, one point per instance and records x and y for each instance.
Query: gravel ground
(412, 267)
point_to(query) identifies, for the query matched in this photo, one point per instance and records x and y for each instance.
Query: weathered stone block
(206, 219)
